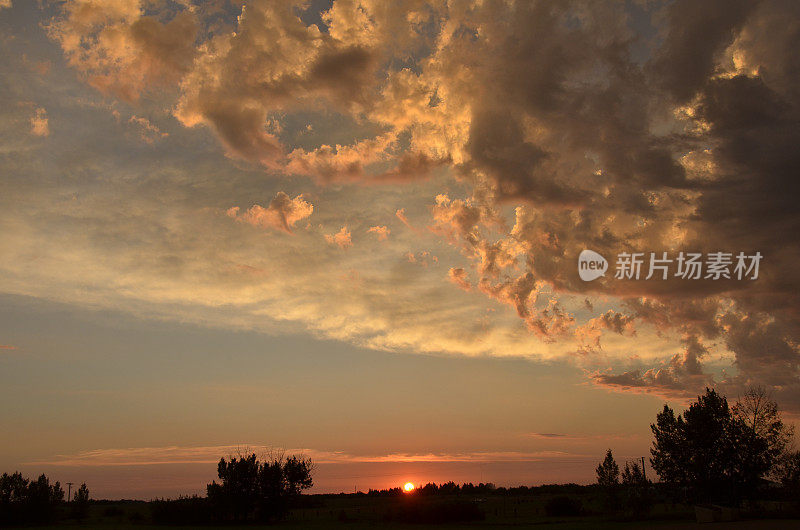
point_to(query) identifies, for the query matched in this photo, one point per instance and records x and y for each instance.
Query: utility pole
(69, 491)
(643, 474)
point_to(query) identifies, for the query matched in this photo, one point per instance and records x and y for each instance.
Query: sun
(409, 486)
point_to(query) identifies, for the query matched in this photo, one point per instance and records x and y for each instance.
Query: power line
(644, 476)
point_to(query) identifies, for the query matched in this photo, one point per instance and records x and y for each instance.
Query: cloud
(147, 131)
(457, 218)
(589, 334)
(340, 162)
(146, 456)
(282, 213)
(696, 35)
(532, 134)
(274, 62)
(682, 376)
(7, 347)
(765, 354)
(401, 214)
(341, 238)
(381, 232)
(594, 130)
(121, 51)
(459, 277)
(422, 258)
(548, 323)
(39, 123)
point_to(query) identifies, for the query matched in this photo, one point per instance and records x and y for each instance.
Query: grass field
(582, 524)
(363, 512)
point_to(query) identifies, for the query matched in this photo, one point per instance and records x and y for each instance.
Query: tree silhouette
(637, 489)
(13, 498)
(27, 501)
(717, 452)
(669, 457)
(632, 475)
(251, 489)
(764, 437)
(788, 472)
(449, 488)
(608, 471)
(608, 480)
(80, 502)
(43, 498)
(13, 488)
(696, 450)
(297, 473)
(429, 489)
(237, 495)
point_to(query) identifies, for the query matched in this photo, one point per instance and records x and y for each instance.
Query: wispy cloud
(211, 454)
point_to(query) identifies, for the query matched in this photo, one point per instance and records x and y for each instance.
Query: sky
(353, 231)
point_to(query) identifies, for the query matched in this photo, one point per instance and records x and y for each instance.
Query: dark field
(456, 511)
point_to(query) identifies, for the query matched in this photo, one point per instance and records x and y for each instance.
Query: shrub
(113, 511)
(562, 506)
(438, 513)
(182, 511)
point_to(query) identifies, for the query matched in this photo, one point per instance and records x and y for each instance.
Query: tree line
(710, 453)
(23, 500)
(446, 488)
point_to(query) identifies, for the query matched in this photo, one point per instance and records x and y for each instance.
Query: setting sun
(409, 486)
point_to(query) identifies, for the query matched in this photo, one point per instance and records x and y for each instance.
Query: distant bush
(182, 511)
(113, 511)
(438, 513)
(562, 506)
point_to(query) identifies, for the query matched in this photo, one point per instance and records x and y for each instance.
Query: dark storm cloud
(696, 33)
(564, 120)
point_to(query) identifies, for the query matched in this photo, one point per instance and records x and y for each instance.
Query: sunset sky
(352, 230)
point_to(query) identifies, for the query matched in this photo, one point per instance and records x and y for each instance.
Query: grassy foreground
(367, 512)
